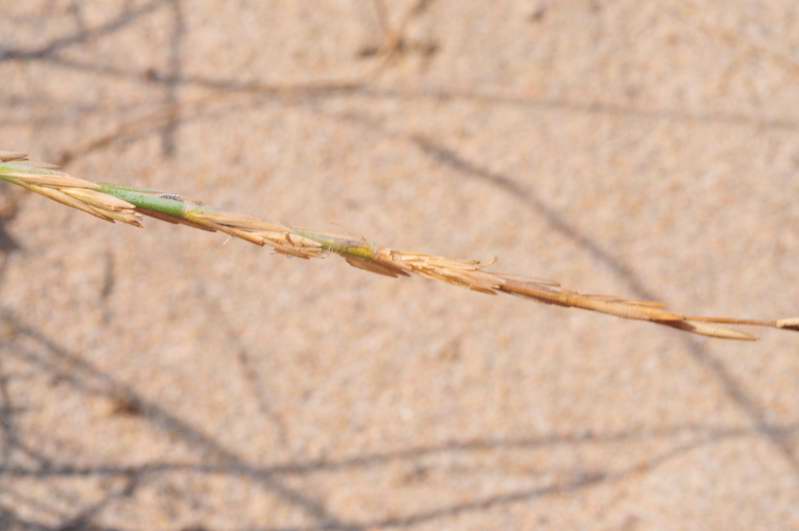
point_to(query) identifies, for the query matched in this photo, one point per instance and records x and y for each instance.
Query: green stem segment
(339, 245)
(147, 200)
(164, 204)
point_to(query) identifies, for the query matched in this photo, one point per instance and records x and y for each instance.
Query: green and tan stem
(127, 205)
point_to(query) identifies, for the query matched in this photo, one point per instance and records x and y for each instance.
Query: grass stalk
(115, 203)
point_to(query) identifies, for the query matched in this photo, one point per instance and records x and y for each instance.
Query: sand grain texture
(168, 378)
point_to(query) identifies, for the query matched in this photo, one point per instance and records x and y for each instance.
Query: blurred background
(166, 378)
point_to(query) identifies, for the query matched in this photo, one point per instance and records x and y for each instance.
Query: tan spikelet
(64, 199)
(99, 199)
(377, 266)
(704, 329)
(789, 324)
(48, 178)
(11, 156)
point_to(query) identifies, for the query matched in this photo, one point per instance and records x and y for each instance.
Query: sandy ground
(169, 379)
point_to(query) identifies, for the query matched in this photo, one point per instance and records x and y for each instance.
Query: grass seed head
(126, 205)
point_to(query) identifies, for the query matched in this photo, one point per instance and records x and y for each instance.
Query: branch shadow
(19, 458)
(43, 355)
(83, 377)
(126, 18)
(732, 387)
(9, 245)
(175, 68)
(362, 88)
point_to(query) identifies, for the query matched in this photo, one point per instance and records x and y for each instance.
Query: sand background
(170, 379)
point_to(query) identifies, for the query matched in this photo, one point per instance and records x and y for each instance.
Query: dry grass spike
(122, 204)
